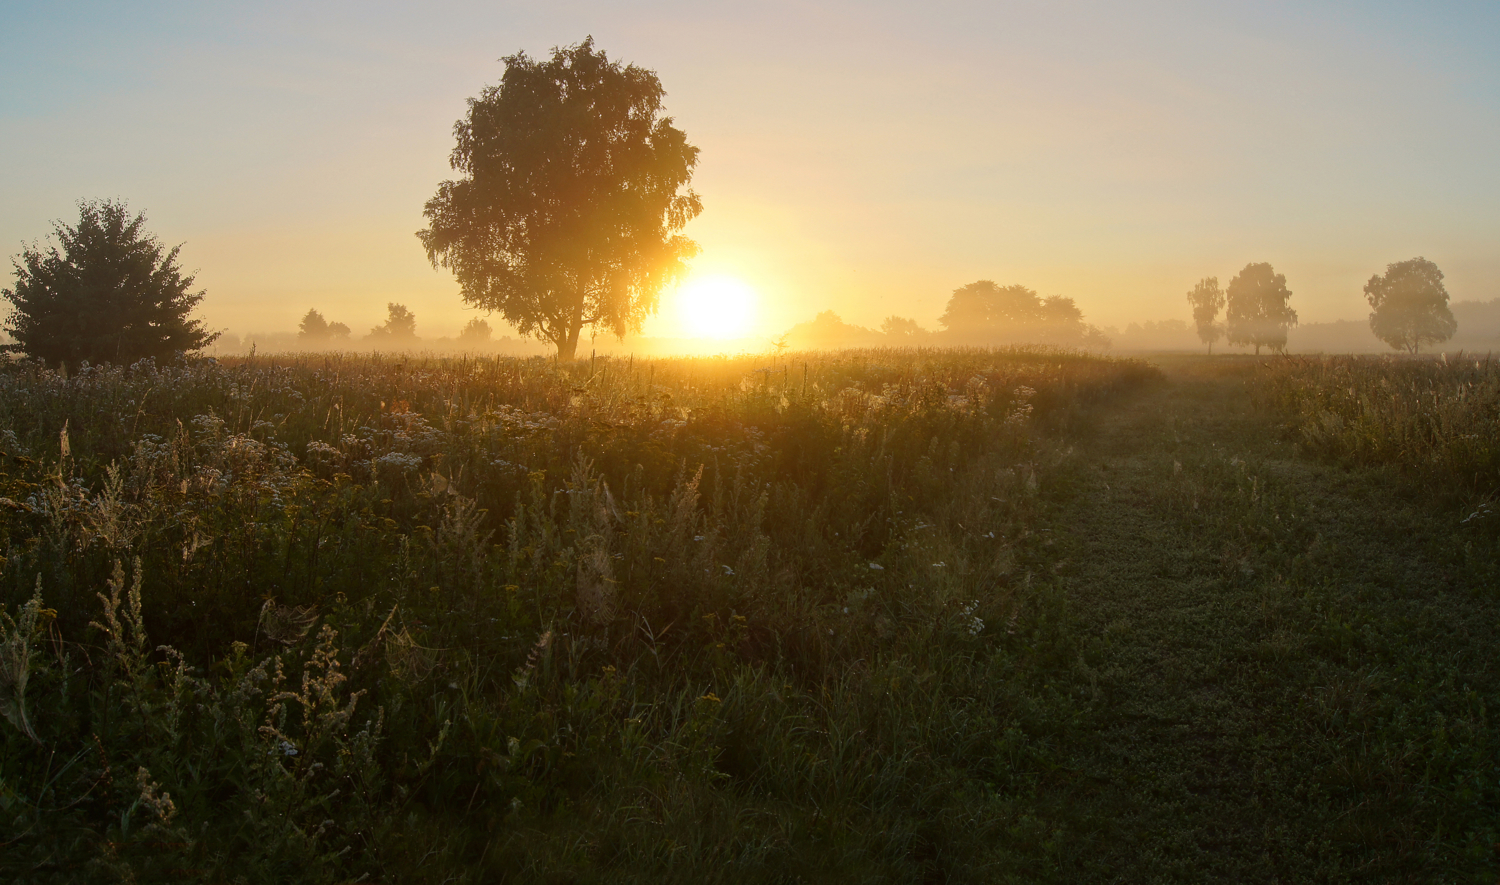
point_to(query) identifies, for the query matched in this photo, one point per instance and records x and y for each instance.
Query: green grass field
(962, 616)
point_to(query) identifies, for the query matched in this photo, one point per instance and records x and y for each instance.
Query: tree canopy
(113, 293)
(1258, 313)
(399, 328)
(985, 312)
(1207, 299)
(316, 331)
(475, 332)
(904, 330)
(571, 200)
(1409, 305)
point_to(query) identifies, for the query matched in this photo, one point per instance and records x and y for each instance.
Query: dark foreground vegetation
(874, 616)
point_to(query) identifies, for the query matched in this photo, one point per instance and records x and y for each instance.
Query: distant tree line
(1409, 311)
(1255, 305)
(1409, 307)
(567, 214)
(110, 292)
(317, 333)
(984, 313)
(398, 331)
(980, 313)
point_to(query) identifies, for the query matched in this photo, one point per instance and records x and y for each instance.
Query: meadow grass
(906, 616)
(1434, 416)
(327, 619)
(1284, 660)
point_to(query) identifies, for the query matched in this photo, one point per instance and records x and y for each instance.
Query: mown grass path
(1284, 666)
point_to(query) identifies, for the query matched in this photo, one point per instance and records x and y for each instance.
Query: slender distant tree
(1258, 313)
(113, 293)
(572, 197)
(1207, 299)
(398, 330)
(1409, 305)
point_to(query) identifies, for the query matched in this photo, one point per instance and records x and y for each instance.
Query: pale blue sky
(867, 158)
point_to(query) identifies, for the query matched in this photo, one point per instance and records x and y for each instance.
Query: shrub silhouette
(113, 293)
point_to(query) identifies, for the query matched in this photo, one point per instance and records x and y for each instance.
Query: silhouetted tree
(904, 331)
(568, 211)
(1207, 299)
(1257, 308)
(984, 306)
(112, 294)
(315, 331)
(476, 332)
(1410, 305)
(399, 328)
(983, 311)
(313, 327)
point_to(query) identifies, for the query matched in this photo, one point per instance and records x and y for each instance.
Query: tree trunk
(567, 346)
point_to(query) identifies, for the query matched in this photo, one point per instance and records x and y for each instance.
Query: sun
(716, 307)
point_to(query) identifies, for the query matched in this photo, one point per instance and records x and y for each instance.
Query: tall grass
(1439, 418)
(333, 618)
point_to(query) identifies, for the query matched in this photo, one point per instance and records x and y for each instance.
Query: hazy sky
(865, 157)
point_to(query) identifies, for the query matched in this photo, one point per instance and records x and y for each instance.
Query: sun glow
(716, 307)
